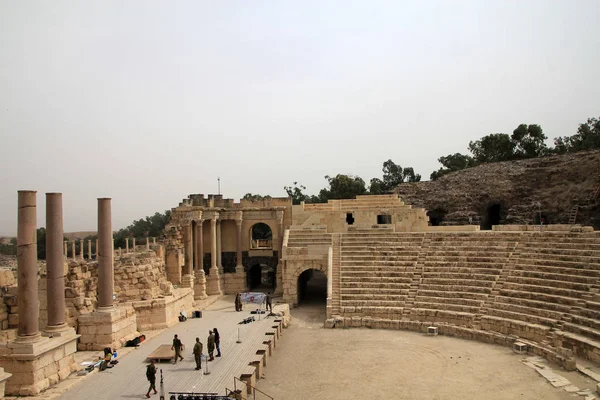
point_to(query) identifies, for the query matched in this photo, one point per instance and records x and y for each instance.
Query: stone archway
(291, 289)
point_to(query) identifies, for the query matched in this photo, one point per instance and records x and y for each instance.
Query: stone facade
(209, 244)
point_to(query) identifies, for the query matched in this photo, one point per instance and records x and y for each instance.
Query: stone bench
(592, 251)
(481, 265)
(465, 259)
(548, 317)
(372, 303)
(359, 280)
(543, 289)
(580, 320)
(517, 316)
(528, 294)
(562, 277)
(555, 263)
(457, 282)
(367, 273)
(546, 305)
(374, 296)
(451, 317)
(375, 285)
(514, 327)
(378, 265)
(448, 300)
(451, 294)
(383, 291)
(446, 306)
(587, 331)
(461, 270)
(559, 257)
(454, 288)
(548, 282)
(459, 276)
(387, 312)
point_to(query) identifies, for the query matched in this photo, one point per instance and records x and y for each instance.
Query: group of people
(239, 305)
(213, 342)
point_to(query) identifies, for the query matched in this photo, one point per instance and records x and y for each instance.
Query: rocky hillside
(509, 192)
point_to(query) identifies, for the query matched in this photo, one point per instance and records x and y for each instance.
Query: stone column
(133, 244)
(153, 241)
(280, 233)
(213, 245)
(239, 267)
(55, 277)
(189, 252)
(97, 249)
(198, 247)
(90, 250)
(81, 246)
(126, 245)
(27, 270)
(219, 251)
(66, 248)
(201, 245)
(73, 255)
(105, 257)
(147, 243)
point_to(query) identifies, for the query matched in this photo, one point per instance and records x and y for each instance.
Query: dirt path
(312, 362)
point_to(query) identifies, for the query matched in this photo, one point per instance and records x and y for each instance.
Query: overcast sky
(147, 101)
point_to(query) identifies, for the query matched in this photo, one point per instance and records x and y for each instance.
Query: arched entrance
(254, 276)
(312, 287)
(261, 236)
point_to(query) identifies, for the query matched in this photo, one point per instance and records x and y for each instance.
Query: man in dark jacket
(198, 354)
(210, 344)
(177, 346)
(151, 376)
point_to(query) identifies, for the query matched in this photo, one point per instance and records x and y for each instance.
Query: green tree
(342, 187)
(376, 186)
(151, 226)
(297, 194)
(493, 148)
(529, 141)
(41, 243)
(451, 163)
(586, 138)
(255, 197)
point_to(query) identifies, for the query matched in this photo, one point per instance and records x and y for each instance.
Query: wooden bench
(162, 353)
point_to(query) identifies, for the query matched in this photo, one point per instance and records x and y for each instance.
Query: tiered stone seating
(549, 281)
(376, 272)
(459, 272)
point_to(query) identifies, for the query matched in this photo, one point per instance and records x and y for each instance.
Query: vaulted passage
(312, 287)
(492, 217)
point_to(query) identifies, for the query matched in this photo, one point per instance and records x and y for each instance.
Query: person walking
(151, 376)
(210, 344)
(198, 354)
(177, 346)
(217, 341)
(269, 304)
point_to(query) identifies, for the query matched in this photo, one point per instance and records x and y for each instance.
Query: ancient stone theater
(385, 264)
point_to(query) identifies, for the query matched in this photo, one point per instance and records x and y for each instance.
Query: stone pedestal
(38, 365)
(200, 285)
(187, 281)
(100, 329)
(213, 283)
(3, 378)
(163, 312)
(235, 283)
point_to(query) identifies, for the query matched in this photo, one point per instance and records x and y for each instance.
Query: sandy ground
(313, 362)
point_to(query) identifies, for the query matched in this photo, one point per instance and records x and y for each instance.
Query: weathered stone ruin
(564, 189)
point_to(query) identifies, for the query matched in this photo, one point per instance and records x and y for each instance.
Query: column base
(100, 329)
(57, 330)
(35, 366)
(187, 281)
(200, 286)
(213, 283)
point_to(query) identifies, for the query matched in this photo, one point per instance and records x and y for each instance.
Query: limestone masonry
(388, 265)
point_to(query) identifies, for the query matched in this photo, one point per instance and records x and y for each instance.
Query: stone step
(580, 269)
(456, 282)
(559, 257)
(471, 264)
(543, 289)
(590, 252)
(345, 280)
(528, 294)
(463, 270)
(460, 276)
(556, 307)
(522, 317)
(372, 311)
(582, 330)
(446, 307)
(372, 285)
(538, 312)
(583, 287)
(374, 296)
(449, 300)
(397, 290)
(555, 263)
(452, 294)
(454, 288)
(565, 277)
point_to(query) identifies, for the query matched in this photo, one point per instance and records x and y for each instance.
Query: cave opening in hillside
(492, 217)
(436, 216)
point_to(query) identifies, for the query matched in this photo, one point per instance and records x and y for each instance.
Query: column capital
(279, 215)
(238, 222)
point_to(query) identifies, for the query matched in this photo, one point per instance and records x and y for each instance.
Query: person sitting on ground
(151, 376)
(177, 346)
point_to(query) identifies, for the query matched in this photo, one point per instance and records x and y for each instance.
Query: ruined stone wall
(558, 183)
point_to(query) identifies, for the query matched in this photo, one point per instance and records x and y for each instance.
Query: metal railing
(245, 386)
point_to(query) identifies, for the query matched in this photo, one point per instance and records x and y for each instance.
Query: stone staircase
(305, 238)
(336, 274)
